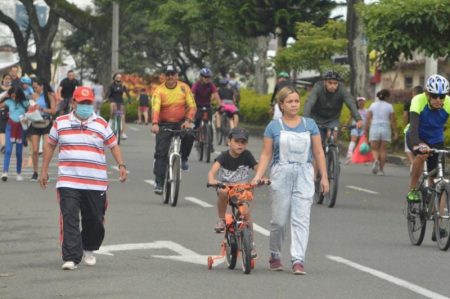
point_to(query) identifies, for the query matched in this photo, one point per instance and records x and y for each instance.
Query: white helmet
(437, 84)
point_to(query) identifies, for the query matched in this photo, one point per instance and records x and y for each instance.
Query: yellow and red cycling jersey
(173, 104)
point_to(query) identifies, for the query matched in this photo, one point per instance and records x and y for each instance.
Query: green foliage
(130, 110)
(255, 108)
(397, 27)
(314, 47)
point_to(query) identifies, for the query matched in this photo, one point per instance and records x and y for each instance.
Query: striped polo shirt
(81, 156)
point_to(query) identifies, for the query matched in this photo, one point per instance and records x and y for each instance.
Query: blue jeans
(292, 192)
(8, 151)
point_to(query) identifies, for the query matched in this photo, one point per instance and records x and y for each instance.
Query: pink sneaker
(275, 265)
(298, 269)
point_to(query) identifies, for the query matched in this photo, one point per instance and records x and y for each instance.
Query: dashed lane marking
(362, 189)
(199, 202)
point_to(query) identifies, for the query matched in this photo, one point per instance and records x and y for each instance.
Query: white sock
(351, 147)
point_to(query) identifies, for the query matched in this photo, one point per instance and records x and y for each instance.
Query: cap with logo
(238, 133)
(170, 69)
(83, 93)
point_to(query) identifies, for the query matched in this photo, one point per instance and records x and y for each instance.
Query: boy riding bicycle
(232, 166)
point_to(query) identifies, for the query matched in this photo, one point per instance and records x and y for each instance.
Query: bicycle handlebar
(242, 185)
(178, 132)
(439, 151)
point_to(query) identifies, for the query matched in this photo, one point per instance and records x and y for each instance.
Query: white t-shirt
(381, 112)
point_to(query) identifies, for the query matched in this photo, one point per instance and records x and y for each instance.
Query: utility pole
(115, 39)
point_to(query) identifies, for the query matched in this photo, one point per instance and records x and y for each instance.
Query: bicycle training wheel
(246, 249)
(207, 145)
(417, 223)
(333, 176)
(175, 181)
(442, 220)
(166, 187)
(231, 250)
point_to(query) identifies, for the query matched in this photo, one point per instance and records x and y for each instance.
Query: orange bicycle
(238, 235)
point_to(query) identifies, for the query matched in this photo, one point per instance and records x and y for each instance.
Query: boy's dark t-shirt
(235, 170)
(143, 99)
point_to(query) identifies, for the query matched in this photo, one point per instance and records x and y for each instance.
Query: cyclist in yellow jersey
(173, 107)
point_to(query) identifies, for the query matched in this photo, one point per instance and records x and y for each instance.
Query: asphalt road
(359, 249)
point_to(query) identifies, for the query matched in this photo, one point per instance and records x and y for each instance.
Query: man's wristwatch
(121, 165)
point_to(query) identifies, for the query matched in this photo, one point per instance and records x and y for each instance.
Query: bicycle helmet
(205, 72)
(331, 75)
(26, 80)
(437, 84)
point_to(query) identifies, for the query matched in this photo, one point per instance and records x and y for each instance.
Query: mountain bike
(204, 136)
(172, 178)
(222, 132)
(238, 235)
(433, 206)
(331, 151)
(117, 123)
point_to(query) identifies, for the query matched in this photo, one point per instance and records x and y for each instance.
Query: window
(408, 82)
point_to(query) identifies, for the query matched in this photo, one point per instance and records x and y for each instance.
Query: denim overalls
(292, 191)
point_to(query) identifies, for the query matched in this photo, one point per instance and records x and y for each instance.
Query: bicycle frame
(174, 150)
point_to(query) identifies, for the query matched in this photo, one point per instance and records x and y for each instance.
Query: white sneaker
(124, 136)
(89, 258)
(19, 178)
(381, 173)
(375, 167)
(4, 176)
(69, 265)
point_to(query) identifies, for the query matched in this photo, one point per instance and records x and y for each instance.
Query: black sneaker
(34, 177)
(442, 232)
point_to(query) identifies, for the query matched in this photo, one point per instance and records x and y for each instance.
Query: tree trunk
(357, 51)
(262, 45)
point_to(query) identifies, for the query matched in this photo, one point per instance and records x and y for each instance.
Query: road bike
(172, 178)
(331, 151)
(433, 206)
(224, 129)
(117, 123)
(204, 142)
(238, 234)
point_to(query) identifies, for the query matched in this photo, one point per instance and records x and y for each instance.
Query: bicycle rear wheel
(207, 145)
(417, 222)
(442, 220)
(175, 181)
(333, 176)
(246, 249)
(232, 249)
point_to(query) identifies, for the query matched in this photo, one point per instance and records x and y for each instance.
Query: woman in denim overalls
(291, 142)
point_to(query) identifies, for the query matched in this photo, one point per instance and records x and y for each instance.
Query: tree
(43, 38)
(357, 51)
(400, 27)
(260, 19)
(314, 47)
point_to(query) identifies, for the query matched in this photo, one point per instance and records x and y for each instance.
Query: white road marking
(392, 279)
(362, 189)
(217, 152)
(184, 254)
(117, 168)
(260, 230)
(151, 182)
(133, 128)
(198, 201)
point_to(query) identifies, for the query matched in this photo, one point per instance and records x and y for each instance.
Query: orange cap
(83, 93)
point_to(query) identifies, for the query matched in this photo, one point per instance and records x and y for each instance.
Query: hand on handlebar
(421, 148)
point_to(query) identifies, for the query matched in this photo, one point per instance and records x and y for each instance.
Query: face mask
(84, 110)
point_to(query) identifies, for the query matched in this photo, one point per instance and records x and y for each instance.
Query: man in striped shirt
(82, 176)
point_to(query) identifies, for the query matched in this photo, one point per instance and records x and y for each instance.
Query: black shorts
(39, 131)
(432, 159)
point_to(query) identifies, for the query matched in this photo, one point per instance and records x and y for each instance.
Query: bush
(130, 110)
(255, 108)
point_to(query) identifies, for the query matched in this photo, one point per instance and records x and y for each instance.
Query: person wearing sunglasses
(428, 114)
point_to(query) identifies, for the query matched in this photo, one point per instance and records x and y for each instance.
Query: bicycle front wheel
(417, 223)
(246, 249)
(232, 249)
(175, 180)
(442, 220)
(166, 187)
(208, 142)
(333, 176)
